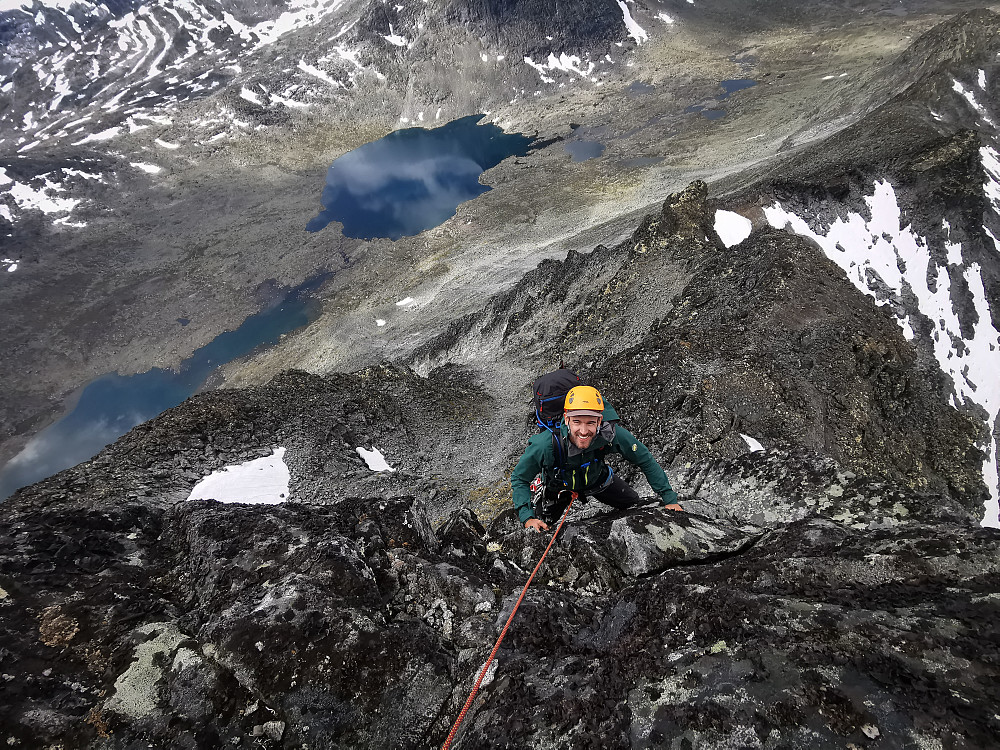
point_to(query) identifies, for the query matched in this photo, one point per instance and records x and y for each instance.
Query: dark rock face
(356, 625)
(766, 340)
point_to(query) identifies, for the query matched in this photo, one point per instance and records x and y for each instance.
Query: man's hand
(536, 524)
(673, 506)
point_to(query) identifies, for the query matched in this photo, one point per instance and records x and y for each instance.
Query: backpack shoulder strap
(557, 450)
(558, 455)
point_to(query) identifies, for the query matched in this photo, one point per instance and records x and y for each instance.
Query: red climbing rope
(482, 673)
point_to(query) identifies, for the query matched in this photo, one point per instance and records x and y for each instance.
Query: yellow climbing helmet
(584, 399)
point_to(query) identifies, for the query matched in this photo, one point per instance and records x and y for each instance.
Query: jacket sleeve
(638, 454)
(527, 467)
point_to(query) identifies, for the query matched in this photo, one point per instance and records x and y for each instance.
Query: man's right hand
(536, 524)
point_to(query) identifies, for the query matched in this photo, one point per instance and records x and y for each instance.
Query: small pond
(583, 150)
(412, 180)
(113, 404)
(711, 108)
(639, 88)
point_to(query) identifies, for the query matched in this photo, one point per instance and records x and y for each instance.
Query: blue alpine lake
(111, 405)
(414, 179)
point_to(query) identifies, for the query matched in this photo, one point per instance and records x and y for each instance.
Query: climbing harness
(486, 666)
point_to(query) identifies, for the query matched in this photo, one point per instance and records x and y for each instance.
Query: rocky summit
(781, 268)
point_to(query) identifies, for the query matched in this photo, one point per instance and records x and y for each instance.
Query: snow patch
(84, 175)
(991, 163)
(263, 481)
(909, 334)
(752, 444)
(394, 38)
(289, 102)
(42, 199)
(317, 73)
(251, 96)
(104, 135)
(971, 98)
(148, 168)
(541, 70)
(564, 63)
(954, 253)
(349, 55)
(407, 301)
(67, 223)
(635, 30)
(300, 14)
(732, 227)
(374, 458)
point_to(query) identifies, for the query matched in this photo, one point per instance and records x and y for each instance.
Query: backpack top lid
(550, 392)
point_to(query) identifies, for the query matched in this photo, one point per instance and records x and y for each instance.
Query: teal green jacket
(585, 471)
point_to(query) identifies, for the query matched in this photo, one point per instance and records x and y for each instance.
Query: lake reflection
(412, 180)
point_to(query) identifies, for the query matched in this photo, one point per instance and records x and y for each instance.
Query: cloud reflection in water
(412, 180)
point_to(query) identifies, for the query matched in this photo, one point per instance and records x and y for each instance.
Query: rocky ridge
(763, 338)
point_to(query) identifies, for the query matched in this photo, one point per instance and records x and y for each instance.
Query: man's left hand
(673, 506)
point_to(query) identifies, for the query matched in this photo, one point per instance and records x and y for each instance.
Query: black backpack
(550, 392)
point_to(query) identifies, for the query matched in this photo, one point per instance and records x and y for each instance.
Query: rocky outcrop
(197, 624)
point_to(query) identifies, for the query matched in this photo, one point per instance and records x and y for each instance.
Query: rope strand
(486, 666)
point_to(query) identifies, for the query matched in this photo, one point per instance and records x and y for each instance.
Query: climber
(571, 460)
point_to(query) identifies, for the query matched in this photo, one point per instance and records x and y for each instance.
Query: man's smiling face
(582, 429)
